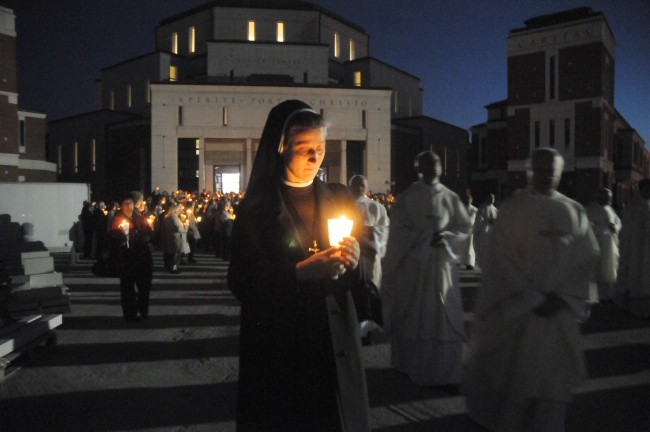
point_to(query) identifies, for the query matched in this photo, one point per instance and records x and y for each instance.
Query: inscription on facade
(566, 36)
(263, 101)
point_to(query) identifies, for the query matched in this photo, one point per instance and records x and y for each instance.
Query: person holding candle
(420, 289)
(130, 242)
(299, 360)
(173, 231)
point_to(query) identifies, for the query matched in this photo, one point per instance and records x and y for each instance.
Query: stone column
(202, 172)
(249, 162)
(344, 163)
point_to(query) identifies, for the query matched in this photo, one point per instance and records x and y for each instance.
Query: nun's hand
(324, 264)
(350, 252)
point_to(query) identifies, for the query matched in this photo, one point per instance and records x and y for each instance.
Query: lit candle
(150, 220)
(125, 229)
(339, 228)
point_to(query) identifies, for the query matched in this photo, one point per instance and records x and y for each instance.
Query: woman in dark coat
(299, 360)
(130, 242)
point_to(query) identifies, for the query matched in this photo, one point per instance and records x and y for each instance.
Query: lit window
(128, 95)
(111, 101)
(94, 154)
(251, 31)
(59, 159)
(353, 53)
(175, 43)
(224, 116)
(197, 146)
(337, 45)
(173, 73)
(357, 78)
(76, 157)
(192, 40)
(197, 173)
(280, 31)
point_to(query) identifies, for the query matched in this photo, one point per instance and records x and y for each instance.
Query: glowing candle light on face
(339, 228)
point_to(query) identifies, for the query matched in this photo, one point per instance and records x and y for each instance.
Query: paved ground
(178, 371)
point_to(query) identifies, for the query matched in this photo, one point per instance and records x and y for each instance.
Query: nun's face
(304, 155)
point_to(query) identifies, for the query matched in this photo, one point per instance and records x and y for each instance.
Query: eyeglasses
(306, 151)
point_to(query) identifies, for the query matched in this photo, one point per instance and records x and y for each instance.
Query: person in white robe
(633, 284)
(525, 357)
(373, 245)
(487, 215)
(468, 254)
(420, 286)
(606, 225)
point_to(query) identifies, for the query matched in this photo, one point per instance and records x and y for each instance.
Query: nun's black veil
(268, 167)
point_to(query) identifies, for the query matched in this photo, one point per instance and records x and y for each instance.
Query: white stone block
(30, 255)
(33, 266)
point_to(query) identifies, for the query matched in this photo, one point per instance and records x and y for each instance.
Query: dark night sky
(456, 47)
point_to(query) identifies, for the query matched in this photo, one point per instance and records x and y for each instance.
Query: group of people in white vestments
(300, 359)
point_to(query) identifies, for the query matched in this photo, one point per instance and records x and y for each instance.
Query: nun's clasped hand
(331, 262)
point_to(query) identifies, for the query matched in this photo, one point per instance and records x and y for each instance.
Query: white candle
(339, 228)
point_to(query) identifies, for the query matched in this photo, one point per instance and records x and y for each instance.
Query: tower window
(192, 40)
(129, 94)
(251, 31)
(280, 32)
(174, 43)
(353, 54)
(173, 73)
(22, 134)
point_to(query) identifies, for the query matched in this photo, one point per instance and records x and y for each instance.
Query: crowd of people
(308, 302)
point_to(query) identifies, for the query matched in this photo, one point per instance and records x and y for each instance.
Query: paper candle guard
(338, 229)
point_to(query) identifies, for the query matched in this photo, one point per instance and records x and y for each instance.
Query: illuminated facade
(208, 86)
(560, 94)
